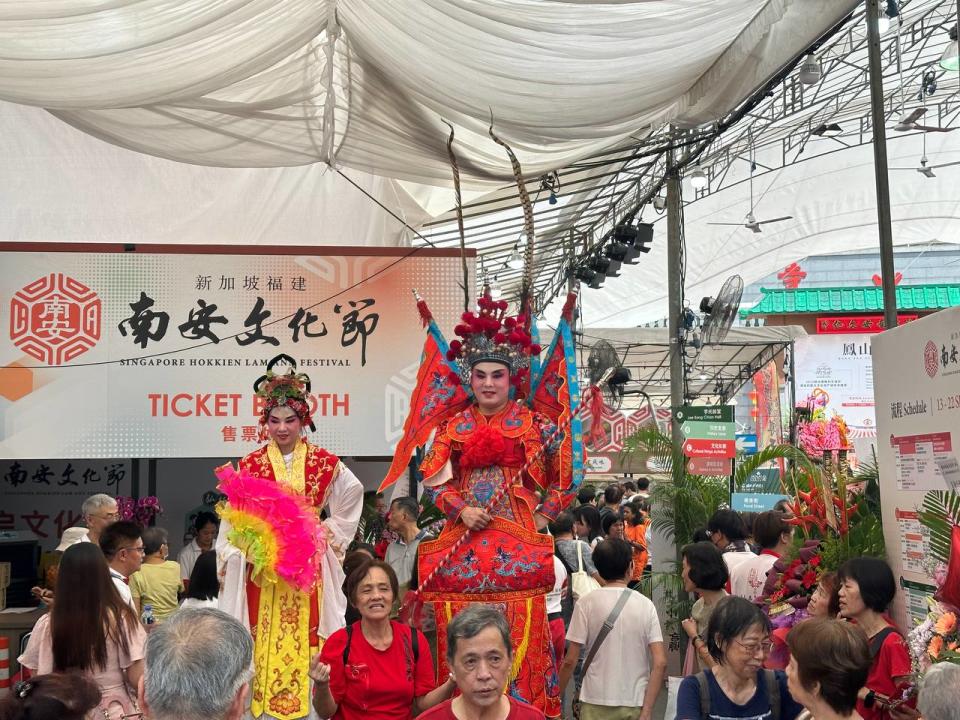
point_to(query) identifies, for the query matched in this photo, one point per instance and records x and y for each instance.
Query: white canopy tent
(364, 85)
(328, 120)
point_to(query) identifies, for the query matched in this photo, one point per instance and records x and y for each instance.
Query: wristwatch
(869, 699)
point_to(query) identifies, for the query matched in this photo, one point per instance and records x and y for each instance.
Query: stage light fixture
(590, 278)
(889, 13)
(659, 203)
(810, 72)
(644, 237)
(827, 130)
(622, 253)
(605, 266)
(515, 261)
(950, 60)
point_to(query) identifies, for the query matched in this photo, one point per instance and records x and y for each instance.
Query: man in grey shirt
(402, 554)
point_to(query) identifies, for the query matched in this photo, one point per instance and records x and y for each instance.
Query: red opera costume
(513, 454)
(280, 565)
(508, 564)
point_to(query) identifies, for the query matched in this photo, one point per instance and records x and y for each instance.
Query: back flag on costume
(435, 398)
(556, 393)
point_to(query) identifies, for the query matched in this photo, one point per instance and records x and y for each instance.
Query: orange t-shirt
(638, 534)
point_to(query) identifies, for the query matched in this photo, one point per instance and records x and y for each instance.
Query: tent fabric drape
(366, 84)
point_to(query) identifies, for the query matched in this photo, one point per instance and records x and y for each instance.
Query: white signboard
(839, 368)
(154, 354)
(917, 373)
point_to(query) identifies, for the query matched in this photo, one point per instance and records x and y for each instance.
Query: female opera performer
(289, 625)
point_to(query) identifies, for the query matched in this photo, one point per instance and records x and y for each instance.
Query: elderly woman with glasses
(738, 686)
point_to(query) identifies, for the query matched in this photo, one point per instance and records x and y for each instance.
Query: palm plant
(686, 501)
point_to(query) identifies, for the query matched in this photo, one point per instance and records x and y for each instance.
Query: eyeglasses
(753, 647)
(141, 549)
(108, 516)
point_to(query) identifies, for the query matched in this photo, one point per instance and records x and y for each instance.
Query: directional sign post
(708, 431)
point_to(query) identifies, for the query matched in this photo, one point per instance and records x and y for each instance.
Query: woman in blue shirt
(738, 686)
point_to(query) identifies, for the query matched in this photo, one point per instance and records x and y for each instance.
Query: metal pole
(675, 304)
(887, 270)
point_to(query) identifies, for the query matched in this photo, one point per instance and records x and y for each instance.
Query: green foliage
(685, 504)
(864, 539)
(666, 590)
(430, 513)
(939, 512)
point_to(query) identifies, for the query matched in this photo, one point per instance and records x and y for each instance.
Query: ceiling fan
(925, 168)
(750, 221)
(909, 122)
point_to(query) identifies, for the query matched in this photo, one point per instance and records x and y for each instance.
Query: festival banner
(153, 353)
(839, 368)
(917, 371)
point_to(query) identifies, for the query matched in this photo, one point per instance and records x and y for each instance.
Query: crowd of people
(125, 635)
(527, 604)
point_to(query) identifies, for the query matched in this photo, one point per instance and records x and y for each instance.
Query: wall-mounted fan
(604, 357)
(719, 312)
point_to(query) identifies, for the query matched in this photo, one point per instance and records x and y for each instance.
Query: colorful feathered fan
(279, 532)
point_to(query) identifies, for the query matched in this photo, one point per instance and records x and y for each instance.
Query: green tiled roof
(852, 299)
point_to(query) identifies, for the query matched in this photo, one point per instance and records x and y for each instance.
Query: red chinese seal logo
(931, 359)
(55, 319)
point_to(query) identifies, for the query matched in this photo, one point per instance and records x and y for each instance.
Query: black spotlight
(644, 237)
(590, 278)
(605, 266)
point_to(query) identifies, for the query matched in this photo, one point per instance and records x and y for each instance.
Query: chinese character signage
(848, 324)
(917, 388)
(154, 354)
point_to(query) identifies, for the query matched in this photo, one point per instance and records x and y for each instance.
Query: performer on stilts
(281, 566)
(496, 439)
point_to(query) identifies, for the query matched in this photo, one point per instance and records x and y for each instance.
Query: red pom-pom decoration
(462, 330)
(510, 323)
(485, 447)
(499, 338)
(535, 349)
(502, 305)
(451, 355)
(453, 379)
(456, 345)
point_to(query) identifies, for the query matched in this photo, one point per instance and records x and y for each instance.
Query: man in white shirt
(123, 547)
(205, 527)
(628, 669)
(771, 531)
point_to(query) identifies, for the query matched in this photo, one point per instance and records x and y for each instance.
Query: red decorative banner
(836, 324)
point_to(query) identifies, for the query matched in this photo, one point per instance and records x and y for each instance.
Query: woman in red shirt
(377, 667)
(867, 587)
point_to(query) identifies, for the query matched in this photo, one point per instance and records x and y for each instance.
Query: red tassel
(567, 312)
(598, 433)
(425, 315)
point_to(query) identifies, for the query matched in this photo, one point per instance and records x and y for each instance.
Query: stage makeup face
(490, 382)
(283, 426)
